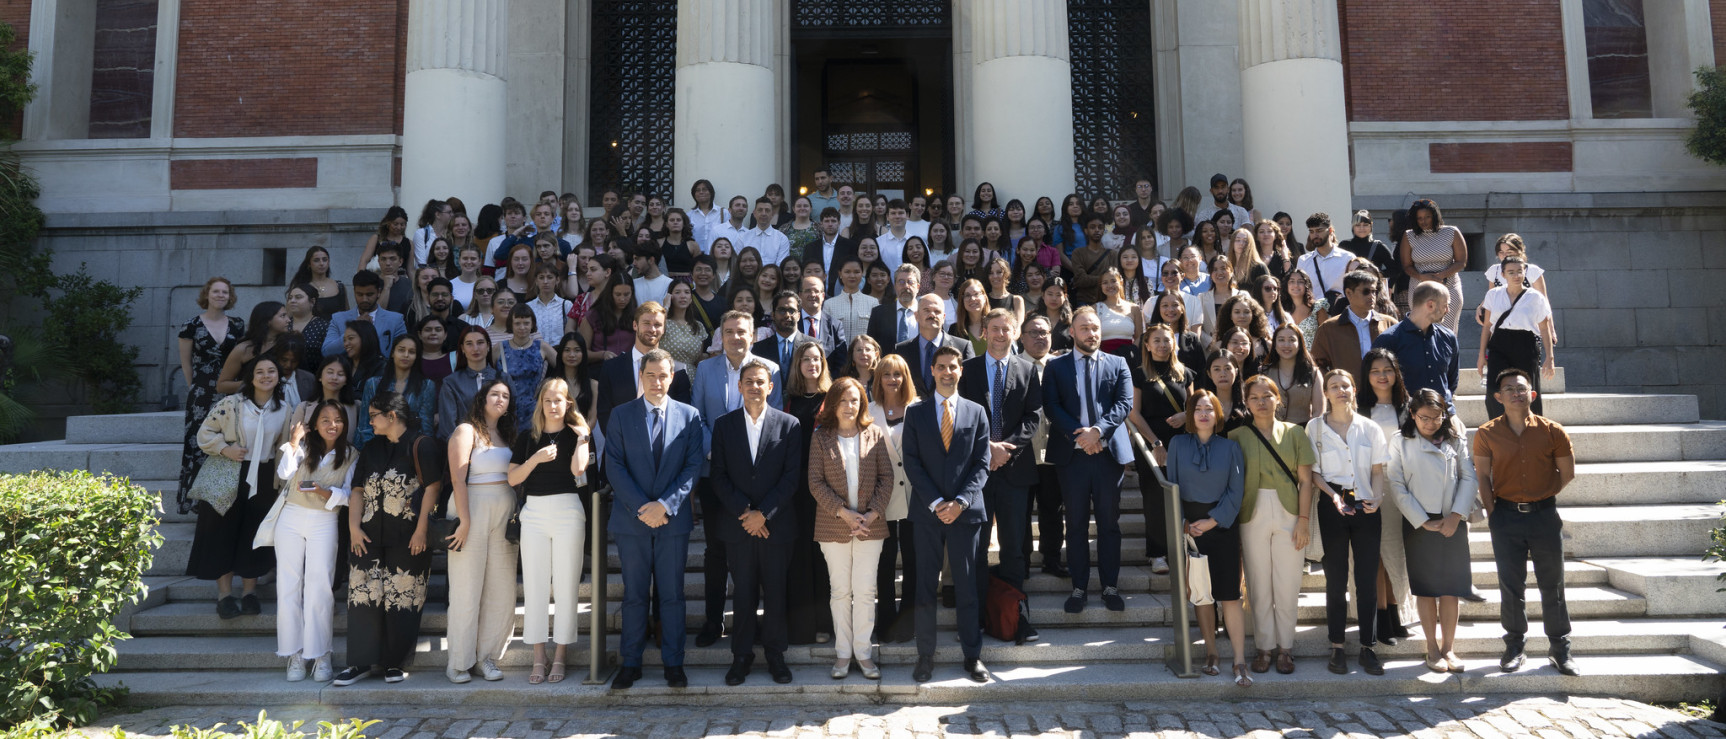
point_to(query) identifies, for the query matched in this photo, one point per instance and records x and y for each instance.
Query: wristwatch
(962, 504)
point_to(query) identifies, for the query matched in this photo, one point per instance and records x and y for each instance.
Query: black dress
(387, 584)
(325, 307)
(677, 258)
(208, 354)
(809, 588)
(1158, 401)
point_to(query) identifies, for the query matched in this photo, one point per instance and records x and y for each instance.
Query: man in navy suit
(824, 329)
(778, 348)
(757, 458)
(716, 394)
(946, 460)
(367, 286)
(1006, 386)
(1087, 394)
(655, 454)
(895, 322)
(619, 376)
(919, 351)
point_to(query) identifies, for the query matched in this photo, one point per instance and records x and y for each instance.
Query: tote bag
(1198, 574)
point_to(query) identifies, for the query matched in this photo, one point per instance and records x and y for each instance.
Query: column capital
(1274, 30)
(734, 31)
(467, 35)
(1004, 28)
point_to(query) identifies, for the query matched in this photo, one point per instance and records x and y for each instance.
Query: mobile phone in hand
(308, 486)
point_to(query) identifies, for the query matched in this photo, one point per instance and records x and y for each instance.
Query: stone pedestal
(727, 109)
(455, 102)
(1019, 54)
(1296, 156)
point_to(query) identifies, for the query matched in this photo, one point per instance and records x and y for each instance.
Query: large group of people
(864, 400)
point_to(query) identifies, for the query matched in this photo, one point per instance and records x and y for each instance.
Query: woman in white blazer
(1432, 478)
(893, 392)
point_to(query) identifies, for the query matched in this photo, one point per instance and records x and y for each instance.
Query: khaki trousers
(482, 580)
(1273, 566)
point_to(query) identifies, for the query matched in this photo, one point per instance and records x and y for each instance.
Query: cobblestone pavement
(1425, 718)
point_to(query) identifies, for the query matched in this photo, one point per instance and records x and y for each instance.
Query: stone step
(1676, 530)
(1647, 483)
(136, 461)
(161, 427)
(1649, 442)
(1596, 409)
(1646, 677)
(1468, 378)
(1480, 639)
(1672, 586)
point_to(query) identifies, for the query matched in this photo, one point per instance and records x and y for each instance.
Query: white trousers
(1273, 566)
(553, 532)
(482, 580)
(305, 569)
(851, 569)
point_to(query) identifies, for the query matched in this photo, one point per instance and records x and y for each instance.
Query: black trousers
(958, 541)
(1511, 348)
(1051, 516)
(1516, 538)
(1156, 517)
(1358, 533)
(895, 614)
(386, 595)
(714, 568)
(222, 542)
(1009, 508)
(1092, 483)
(807, 588)
(758, 570)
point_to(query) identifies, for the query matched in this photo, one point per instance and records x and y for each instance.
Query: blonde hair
(571, 417)
(800, 385)
(894, 363)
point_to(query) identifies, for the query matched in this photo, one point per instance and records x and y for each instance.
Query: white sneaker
(488, 670)
(296, 669)
(1160, 566)
(457, 676)
(321, 670)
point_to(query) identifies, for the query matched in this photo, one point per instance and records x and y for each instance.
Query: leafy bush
(73, 551)
(1708, 140)
(269, 728)
(1716, 551)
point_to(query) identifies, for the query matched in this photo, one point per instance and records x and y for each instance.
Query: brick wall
(1717, 15)
(318, 67)
(1476, 60)
(242, 174)
(1520, 156)
(16, 13)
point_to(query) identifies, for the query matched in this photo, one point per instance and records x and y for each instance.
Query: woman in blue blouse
(401, 376)
(1211, 472)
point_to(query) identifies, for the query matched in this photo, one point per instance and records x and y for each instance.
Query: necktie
(999, 398)
(784, 362)
(1090, 393)
(928, 363)
(903, 334)
(947, 425)
(810, 321)
(656, 432)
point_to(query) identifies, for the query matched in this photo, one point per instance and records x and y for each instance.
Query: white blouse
(1347, 461)
(1529, 312)
(848, 452)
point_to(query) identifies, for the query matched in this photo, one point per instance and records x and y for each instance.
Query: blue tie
(999, 398)
(785, 362)
(928, 364)
(656, 432)
(903, 333)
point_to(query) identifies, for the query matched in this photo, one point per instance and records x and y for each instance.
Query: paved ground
(1447, 718)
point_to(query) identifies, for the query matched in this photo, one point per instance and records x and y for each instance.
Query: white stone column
(1019, 53)
(455, 103)
(1296, 157)
(727, 111)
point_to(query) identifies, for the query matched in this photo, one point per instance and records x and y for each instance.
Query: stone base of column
(725, 129)
(453, 132)
(1024, 150)
(1297, 157)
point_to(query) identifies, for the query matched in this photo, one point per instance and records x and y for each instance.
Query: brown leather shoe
(1285, 662)
(1262, 662)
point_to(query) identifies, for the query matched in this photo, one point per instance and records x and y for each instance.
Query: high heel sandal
(537, 676)
(1242, 679)
(1210, 667)
(556, 675)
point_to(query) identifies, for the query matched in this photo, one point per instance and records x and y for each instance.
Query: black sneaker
(1076, 602)
(394, 675)
(1338, 661)
(1369, 662)
(249, 605)
(350, 676)
(1112, 600)
(227, 608)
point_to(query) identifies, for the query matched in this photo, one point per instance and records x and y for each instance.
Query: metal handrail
(599, 662)
(1180, 659)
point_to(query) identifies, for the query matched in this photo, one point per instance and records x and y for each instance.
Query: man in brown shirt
(1343, 339)
(1522, 461)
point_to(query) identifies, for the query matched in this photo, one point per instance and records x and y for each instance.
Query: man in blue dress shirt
(1426, 349)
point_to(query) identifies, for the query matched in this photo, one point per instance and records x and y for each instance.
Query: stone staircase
(1648, 623)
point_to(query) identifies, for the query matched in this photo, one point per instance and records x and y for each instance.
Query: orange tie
(947, 425)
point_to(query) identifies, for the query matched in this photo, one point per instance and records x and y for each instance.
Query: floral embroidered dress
(387, 584)
(208, 354)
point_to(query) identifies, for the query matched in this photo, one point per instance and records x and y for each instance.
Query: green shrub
(1708, 140)
(73, 551)
(269, 728)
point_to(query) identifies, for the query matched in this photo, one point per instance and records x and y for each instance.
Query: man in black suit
(824, 329)
(757, 452)
(830, 249)
(1006, 386)
(919, 351)
(779, 347)
(896, 322)
(620, 376)
(946, 458)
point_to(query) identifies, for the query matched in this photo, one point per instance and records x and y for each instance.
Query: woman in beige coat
(893, 393)
(851, 478)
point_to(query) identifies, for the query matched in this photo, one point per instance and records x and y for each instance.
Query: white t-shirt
(653, 289)
(1495, 275)
(1526, 316)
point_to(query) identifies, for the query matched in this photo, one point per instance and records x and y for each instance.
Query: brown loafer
(1285, 662)
(1262, 662)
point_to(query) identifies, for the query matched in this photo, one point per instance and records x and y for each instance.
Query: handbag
(512, 527)
(217, 483)
(1198, 574)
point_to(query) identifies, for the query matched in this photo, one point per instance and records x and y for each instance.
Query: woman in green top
(1274, 515)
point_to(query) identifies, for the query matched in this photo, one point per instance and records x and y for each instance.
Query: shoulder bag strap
(1506, 314)
(1167, 394)
(1274, 454)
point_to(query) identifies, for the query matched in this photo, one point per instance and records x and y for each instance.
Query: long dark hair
(583, 388)
(258, 326)
(304, 273)
(370, 351)
(346, 395)
(395, 212)
(314, 442)
(415, 377)
(249, 391)
(1366, 398)
(485, 224)
(609, 319)
(1237, 400)
(505, 422)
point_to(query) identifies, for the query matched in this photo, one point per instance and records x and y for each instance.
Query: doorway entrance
(875, 112)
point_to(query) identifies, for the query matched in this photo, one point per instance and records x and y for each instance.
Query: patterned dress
(208, 354)
(387, 584)
(799, 238)
(1432, 252)
(523, 369)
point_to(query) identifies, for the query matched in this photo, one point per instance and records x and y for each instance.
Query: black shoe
(739, 670)
(1338, 661)
(394, 675)
(1397, 628)
(249, 605)
(904, 632)
(626, 677)
(1076, 601)
(1057, 570)
(1474, 595)
(227, 608)
(975, 670)
(709, 635)
(674, 677)
(925, 669)
(350, 676)
(1369, 662)
(1565, 665)
(776, 667)
(1513, 659)
(1113, 601)
(949, 597)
